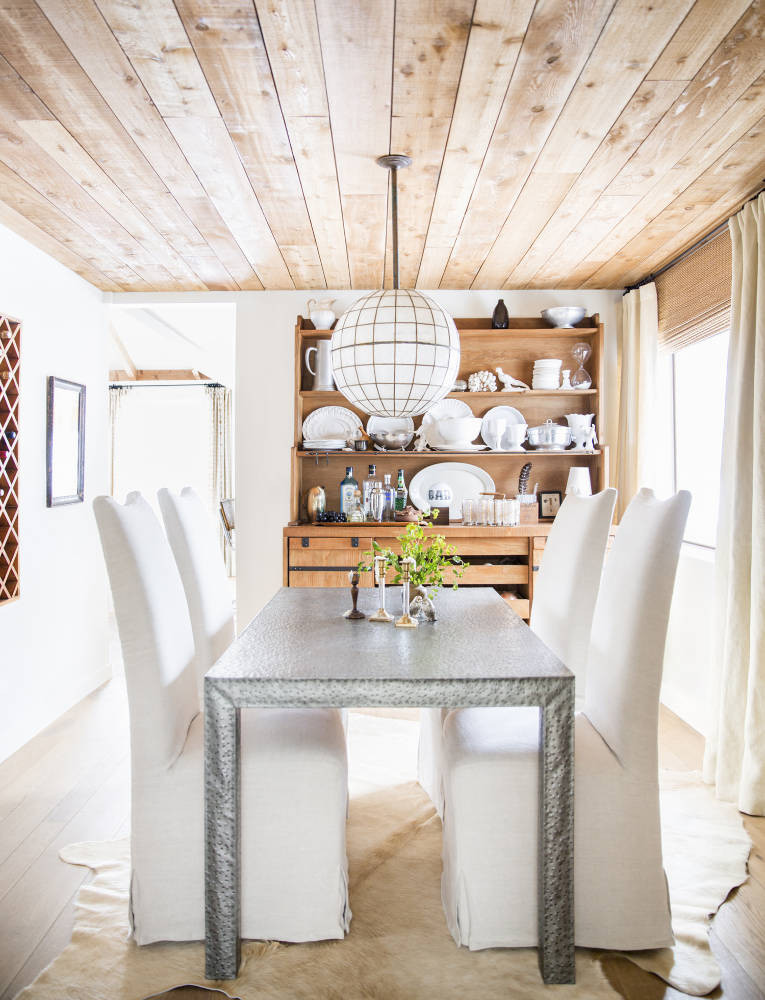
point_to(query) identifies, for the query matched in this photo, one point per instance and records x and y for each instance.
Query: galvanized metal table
(299, 651)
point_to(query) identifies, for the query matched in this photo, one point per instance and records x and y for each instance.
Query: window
(698, 393)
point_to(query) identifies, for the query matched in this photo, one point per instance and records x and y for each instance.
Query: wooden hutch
(321, 555)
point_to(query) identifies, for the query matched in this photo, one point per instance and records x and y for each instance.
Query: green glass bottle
(401, 491)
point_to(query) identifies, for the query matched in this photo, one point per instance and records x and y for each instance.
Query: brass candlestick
(381, 615)
(354, 612)
(406, 621)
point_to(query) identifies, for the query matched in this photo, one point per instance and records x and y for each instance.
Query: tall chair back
(569, 578)
(629, 629)
(193, 537)
(154, 628)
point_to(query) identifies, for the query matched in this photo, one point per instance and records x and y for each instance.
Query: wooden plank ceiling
(220, 144)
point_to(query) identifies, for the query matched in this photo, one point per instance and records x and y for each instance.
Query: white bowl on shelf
(459, 430)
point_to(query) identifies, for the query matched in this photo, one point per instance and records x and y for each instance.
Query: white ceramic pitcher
(321, 313)
(322, 376)
(582, 432)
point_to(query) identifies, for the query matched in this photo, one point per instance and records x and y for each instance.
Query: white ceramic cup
(514, 436)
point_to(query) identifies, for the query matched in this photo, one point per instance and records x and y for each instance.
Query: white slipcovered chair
(561, 615)
(491, 771)
(193, 538)
(294, 768)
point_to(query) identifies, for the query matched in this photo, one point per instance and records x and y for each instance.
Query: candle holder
(406, 620)
(354, 613)
(381, 615)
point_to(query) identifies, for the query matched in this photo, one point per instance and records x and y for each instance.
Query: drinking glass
(467, 512)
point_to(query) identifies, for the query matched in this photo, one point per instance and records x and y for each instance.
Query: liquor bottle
(357, 511)
(347, 488)
(401, 491)
(366, 492)
(389, 504)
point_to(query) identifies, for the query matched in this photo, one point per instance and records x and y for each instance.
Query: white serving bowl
(459, 430)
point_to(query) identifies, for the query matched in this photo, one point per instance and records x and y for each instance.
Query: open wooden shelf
(332, 397)
(354, 457)
(10, 361)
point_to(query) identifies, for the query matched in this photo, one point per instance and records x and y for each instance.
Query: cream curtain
(735, 753)
(117, 395)
(221, 458)
(636, 441)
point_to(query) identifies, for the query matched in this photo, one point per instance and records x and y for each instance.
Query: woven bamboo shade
(694, 295)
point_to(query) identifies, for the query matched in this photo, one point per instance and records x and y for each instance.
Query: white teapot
(582, 430)
(321, 313)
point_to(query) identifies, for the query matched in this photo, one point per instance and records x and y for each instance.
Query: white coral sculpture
(484, 381)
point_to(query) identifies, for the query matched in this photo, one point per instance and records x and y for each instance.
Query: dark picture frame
(65, 444)
(549, 503)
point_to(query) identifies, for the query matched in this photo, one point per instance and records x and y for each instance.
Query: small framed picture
(549, 502)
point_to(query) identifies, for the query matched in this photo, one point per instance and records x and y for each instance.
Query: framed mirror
(66, 442)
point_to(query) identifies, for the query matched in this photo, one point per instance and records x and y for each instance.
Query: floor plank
(71, 783)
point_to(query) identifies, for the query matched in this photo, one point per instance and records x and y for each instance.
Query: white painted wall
(53, 640)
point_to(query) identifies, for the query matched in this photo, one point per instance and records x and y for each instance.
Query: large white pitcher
(582, 432)
(322, 376)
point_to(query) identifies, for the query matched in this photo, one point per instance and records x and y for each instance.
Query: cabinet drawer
(309, 577)
(316, 543)
(345, 558)
(488, 575)
(475, 547)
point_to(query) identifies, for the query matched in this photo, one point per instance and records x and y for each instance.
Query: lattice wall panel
(10, 359)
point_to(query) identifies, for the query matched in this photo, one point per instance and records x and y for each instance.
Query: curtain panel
(117, 394)
(735, 752)
(221, 459)
(635, 443)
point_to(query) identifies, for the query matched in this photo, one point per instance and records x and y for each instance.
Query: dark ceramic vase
(500, 318)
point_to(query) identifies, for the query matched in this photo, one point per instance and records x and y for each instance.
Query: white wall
(53, 639)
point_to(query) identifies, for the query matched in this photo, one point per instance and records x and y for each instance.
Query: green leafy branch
(432, 554)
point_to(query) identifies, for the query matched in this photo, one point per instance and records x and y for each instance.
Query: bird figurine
(510, 384)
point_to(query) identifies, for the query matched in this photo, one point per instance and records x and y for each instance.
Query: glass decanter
(580, 353)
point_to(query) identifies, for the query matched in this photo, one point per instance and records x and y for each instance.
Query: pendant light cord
(394, 215)
(393, 162)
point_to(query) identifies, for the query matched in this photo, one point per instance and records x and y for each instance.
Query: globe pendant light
(395, 353)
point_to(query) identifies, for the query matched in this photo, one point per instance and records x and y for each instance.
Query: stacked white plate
(546, 374)
(328, 444)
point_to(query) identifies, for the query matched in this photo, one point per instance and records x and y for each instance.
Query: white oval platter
(467, 482)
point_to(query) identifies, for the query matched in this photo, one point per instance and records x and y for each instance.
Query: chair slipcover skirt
(490, 849)
(294, 870)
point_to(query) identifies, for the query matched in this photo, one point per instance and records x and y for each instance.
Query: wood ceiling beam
(496, 34)
(357, 46)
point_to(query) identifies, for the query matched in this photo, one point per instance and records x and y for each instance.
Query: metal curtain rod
(694, 247)
(166, 385)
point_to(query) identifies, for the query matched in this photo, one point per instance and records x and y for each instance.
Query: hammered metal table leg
(556, 833)
(222, 944)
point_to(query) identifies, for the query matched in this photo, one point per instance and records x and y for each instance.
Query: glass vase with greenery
(433, 557)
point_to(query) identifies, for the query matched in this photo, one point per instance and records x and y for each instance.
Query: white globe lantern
(395, 353)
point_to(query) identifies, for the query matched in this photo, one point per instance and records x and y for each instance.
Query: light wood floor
(70, 783)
